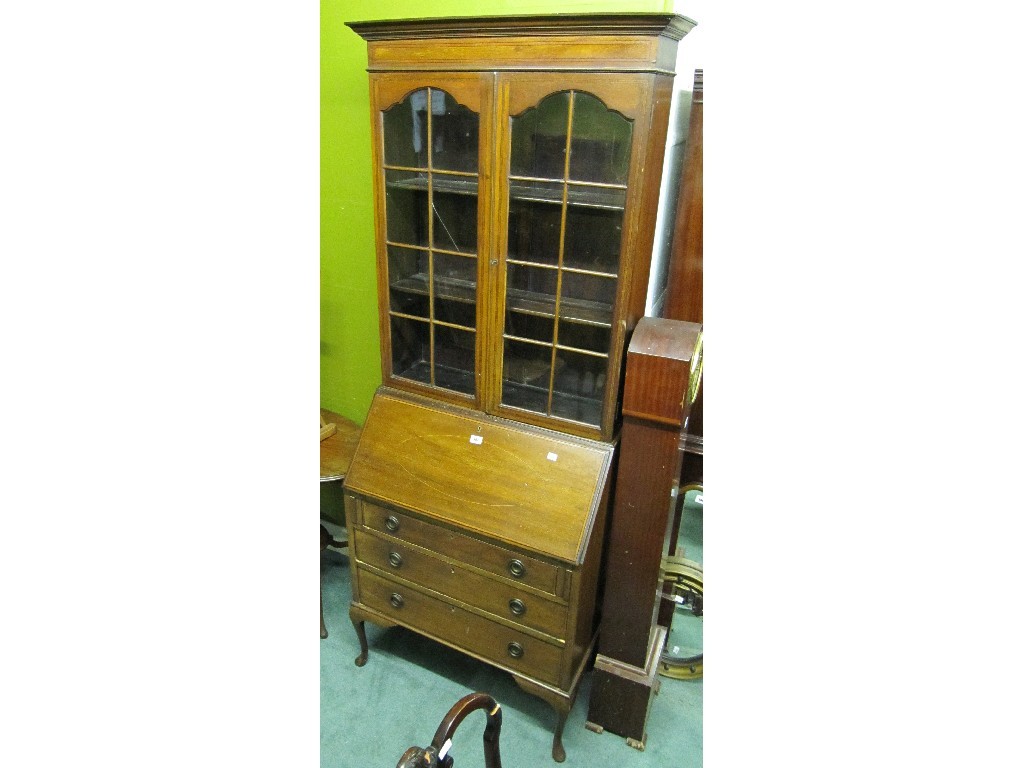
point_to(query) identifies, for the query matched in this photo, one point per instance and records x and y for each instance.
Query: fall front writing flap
(527, 487)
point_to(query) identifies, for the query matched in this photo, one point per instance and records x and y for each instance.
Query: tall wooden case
(517, 165)
(662, 375)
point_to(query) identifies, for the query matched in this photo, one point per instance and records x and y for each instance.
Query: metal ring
(687, 579)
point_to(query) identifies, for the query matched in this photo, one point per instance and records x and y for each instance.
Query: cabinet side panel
(648, 213)
(583, 603)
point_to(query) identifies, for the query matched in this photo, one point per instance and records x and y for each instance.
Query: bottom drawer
(460, 628)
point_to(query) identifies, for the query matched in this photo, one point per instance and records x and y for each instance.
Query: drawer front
(497, 597)
(488, 557)
(461, 629)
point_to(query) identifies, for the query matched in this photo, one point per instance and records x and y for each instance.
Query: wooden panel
(663, 350)
(487, 557)
(532, 489)
(450, 579)
(648, 468)
(622, 93)
(461, 628)
(468, 89)
(639, 272)
(636, 54)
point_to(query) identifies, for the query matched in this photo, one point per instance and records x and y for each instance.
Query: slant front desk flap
(517, 484)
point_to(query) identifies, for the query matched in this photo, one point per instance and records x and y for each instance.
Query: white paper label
(476, 439)
(552, 456)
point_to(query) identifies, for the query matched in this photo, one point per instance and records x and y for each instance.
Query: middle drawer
(498, 598)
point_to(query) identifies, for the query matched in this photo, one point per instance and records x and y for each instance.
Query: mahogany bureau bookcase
(517, 166)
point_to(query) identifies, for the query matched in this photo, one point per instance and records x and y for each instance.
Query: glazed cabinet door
(432, 157)
(567, 185)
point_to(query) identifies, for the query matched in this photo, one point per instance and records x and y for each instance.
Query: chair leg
(323, 627)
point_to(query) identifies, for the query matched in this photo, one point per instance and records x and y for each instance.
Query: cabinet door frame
(631, 95)
(474, 91)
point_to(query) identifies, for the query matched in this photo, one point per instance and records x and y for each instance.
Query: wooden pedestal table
(336, 451)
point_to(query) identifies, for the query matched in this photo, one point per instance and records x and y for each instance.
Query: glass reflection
(406, 205)
(601, 142)
(579, 388)
(539, 137)
(526, 370)
(410, 349)
(593, 239)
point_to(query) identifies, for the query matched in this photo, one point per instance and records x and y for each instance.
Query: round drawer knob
(395, 559)
(398, 602)
(516, 568)
(517, 606)
(391, 523)
(515, 650)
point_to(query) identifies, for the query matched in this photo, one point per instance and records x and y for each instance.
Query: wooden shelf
(580, 311)
(579, 195)
(572, 310)
(447, 288)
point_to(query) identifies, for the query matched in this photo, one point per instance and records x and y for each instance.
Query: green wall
(349, 336)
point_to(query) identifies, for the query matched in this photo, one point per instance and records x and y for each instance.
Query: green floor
(370, 715)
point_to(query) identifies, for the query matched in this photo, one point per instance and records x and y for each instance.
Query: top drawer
(489, 557)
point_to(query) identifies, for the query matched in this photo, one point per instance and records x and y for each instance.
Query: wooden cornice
(662, 24)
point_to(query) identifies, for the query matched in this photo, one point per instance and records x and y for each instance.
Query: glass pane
(526, 370)
(406, 207)
(455, 312)
(531, 289)
(539, 138)
(454, 220)
(587, 297)
(454, 359)
(407, 281)
(456, 134)
(455, 277)
(405, 133)
(593, 238)
(582, 336)
(410, 349)
(529, 326)
(407, 269)
(601, 142)
(580, 382)
(534, 230)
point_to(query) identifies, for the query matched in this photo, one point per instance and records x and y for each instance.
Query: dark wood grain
(655, 409)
